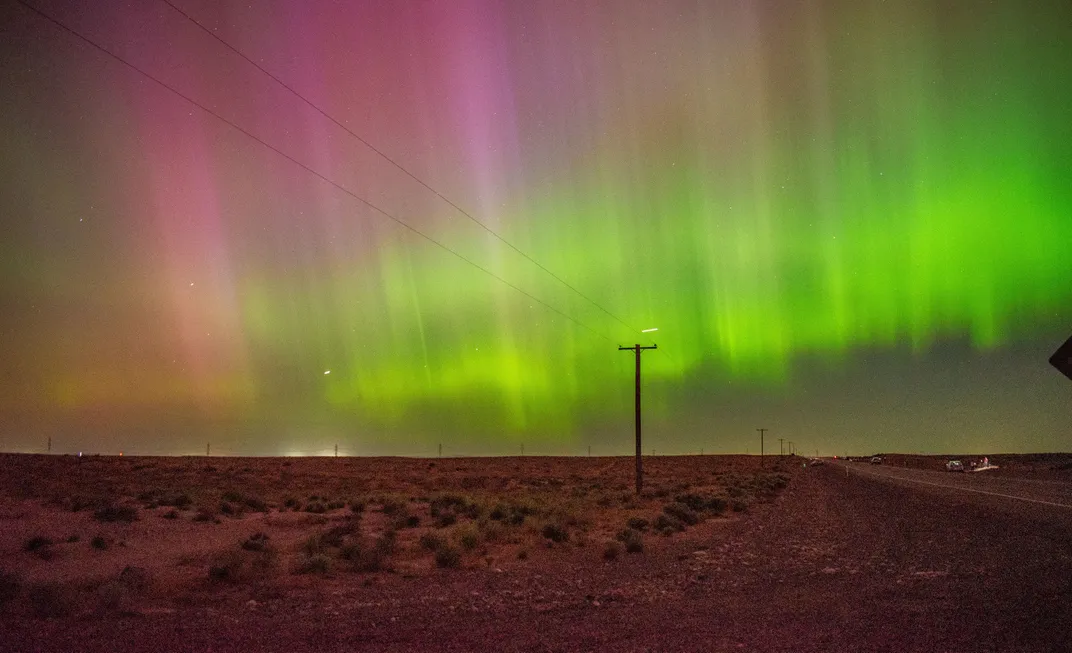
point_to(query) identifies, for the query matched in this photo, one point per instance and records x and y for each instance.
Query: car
(876, 460)
(816, 461)
(954, 466)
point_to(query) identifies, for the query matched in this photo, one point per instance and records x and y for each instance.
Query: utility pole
(761, 432)
(336, 451)
(208, 449)
(50, 444)
(790, 447)
(639, 469)
(781, 450)
(589, 451)
(522, 449)
(440, 449)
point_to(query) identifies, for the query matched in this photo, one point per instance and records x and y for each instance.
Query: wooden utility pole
(336, 451)
(50, 444)
(781, 450)
(761, 432)
(208, 448)
(639, 469)
(441, 450)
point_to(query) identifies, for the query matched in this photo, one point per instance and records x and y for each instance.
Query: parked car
(876, 460)
(816, 461)
(954, 466)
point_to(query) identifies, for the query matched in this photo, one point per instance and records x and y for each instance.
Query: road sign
(1062, 358)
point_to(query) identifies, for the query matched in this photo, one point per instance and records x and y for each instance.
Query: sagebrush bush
(114, 512)
(555, 533)
(682, 513)
(667, 524)
(431, 541)
(638, 523)
(256, 542)
(98, 542)
(315, 564)
(229, 566)
(52, 600)
(447, 556)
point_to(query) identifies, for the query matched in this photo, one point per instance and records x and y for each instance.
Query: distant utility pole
(50, 445)
(522, 449)
(790, 447)
(781, 450)
(208, 448)
(441, 450)
(589, 451)
(761, 432)
(336, 451)
(639, 469)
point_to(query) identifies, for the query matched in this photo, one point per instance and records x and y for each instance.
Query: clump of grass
(336, 505)
(73, 538)
(99, 543)
(740, 505)
(291, 502)
(52, 600)
(115, 512)
(171, 514)
(357, 507)
(638, 523)
(444, 519)
(555, 532)
(447, 556)
(316, 507)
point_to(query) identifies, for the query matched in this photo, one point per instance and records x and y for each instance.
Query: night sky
(850, 222)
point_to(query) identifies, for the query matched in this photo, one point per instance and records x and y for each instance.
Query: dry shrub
(52, 600)
(612, 551)
(447, 556)
(10, 585)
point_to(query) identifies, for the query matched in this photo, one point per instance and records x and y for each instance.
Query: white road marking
(965, 489)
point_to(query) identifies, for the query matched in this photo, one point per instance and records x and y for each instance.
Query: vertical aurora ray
(779, 189)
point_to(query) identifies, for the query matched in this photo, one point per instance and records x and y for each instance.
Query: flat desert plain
(719, 553)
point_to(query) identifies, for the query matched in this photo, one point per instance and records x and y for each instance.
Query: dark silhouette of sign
(1062, 358)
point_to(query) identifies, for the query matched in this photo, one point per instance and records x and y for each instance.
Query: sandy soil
(831, 562)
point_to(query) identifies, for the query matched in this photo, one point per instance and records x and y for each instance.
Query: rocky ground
(833, 561)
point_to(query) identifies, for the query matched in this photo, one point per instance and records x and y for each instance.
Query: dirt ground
(813, 559)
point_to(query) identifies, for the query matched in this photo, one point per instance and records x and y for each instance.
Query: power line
(397, 165)
(306, 167)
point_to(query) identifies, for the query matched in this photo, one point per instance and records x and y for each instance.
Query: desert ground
(719, 553)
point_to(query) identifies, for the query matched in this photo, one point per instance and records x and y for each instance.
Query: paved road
(990, 484)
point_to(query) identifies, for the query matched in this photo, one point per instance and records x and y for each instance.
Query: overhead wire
(306, 167)
(394, 163)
